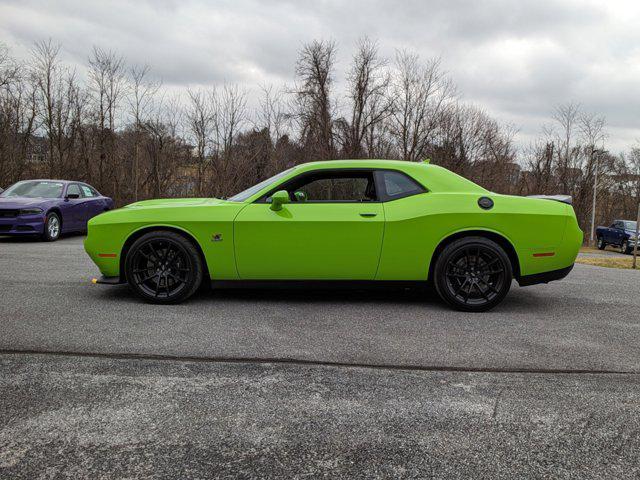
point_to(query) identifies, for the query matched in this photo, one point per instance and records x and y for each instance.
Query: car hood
(26, 202)
(176, 202)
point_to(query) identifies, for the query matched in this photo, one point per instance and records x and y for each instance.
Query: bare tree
(313, 103)
(367, 91)
(230, 117)
(9, 68)
(56, 92)
(106, 84)
(17, 118)
(272, 116)
(142, 91)
(201, 123)
(420, 95)
(272, 113)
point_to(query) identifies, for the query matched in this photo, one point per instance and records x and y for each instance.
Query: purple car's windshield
(34, 189)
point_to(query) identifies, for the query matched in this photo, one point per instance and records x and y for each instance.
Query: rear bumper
(544, 277)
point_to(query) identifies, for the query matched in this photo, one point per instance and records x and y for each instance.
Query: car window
(86, 191)
(34, 189)
(335, 189)
(332, 186)
(398, 185)
(73, 189)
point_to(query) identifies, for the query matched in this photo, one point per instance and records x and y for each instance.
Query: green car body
(387, 239)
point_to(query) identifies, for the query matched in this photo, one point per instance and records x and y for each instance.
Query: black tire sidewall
(194, 279)
(45, 236)
(442, 287)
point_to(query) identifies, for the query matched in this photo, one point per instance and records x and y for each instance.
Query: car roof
(47, 180)
(360, 163)
(433, 177)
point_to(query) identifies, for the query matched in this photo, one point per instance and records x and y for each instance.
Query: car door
(617, 233)
(93, 204)
(331, 230)
(73, 208)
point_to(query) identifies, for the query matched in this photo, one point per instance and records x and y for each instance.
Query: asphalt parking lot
(272, 383)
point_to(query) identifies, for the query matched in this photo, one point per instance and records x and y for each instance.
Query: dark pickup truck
(621, 233)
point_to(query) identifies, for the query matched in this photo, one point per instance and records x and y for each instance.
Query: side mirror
(72, 196)
(278, 199)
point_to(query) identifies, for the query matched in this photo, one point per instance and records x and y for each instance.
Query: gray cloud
(515, 59)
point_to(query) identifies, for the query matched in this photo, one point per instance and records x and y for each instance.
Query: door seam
(384, 229)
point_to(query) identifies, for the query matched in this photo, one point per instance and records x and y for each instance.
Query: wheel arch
(499, 238)
(58, 212)
(154, 228)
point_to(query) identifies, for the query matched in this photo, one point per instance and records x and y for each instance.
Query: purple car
(49, 208)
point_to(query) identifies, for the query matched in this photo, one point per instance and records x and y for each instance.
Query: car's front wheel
(163, 267)
(601, 243)
(52, 227)
(473, 274)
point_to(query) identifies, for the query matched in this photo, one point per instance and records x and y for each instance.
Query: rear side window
(86, 191)
(398, 185)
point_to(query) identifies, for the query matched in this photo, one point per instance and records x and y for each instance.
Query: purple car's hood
(24, 202)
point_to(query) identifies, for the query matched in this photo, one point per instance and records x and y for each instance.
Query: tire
(164, 267)
(601, 244)
(473, 274)
(624, 248)
(52, 227)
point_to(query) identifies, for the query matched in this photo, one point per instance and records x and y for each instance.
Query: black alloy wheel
(164, 267)
(473, 274)
(601, 243)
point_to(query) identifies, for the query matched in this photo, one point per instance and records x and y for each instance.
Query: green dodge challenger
(351, 220)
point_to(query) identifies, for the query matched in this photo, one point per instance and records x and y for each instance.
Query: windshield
(243, 195)
(628, 225)
(34, 189)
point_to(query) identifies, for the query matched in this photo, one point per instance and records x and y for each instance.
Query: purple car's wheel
(52, 227)
(473, 274)
(163, 267)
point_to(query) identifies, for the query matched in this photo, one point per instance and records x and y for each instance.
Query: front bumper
(108, 280)
(22, 225)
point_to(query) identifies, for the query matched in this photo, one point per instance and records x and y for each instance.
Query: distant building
(37, 150)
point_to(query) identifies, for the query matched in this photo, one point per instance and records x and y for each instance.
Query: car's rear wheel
(164, 267)
(473, 274)
(625, 247)
(601, 243)
(52, 227)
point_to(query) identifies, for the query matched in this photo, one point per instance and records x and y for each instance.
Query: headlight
(30, 211)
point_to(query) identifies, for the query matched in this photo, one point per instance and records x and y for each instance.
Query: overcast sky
(516, 59)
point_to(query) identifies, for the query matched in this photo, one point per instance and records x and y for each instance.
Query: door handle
(368, 215)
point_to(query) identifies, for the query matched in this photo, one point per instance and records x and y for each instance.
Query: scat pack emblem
(216, 237)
